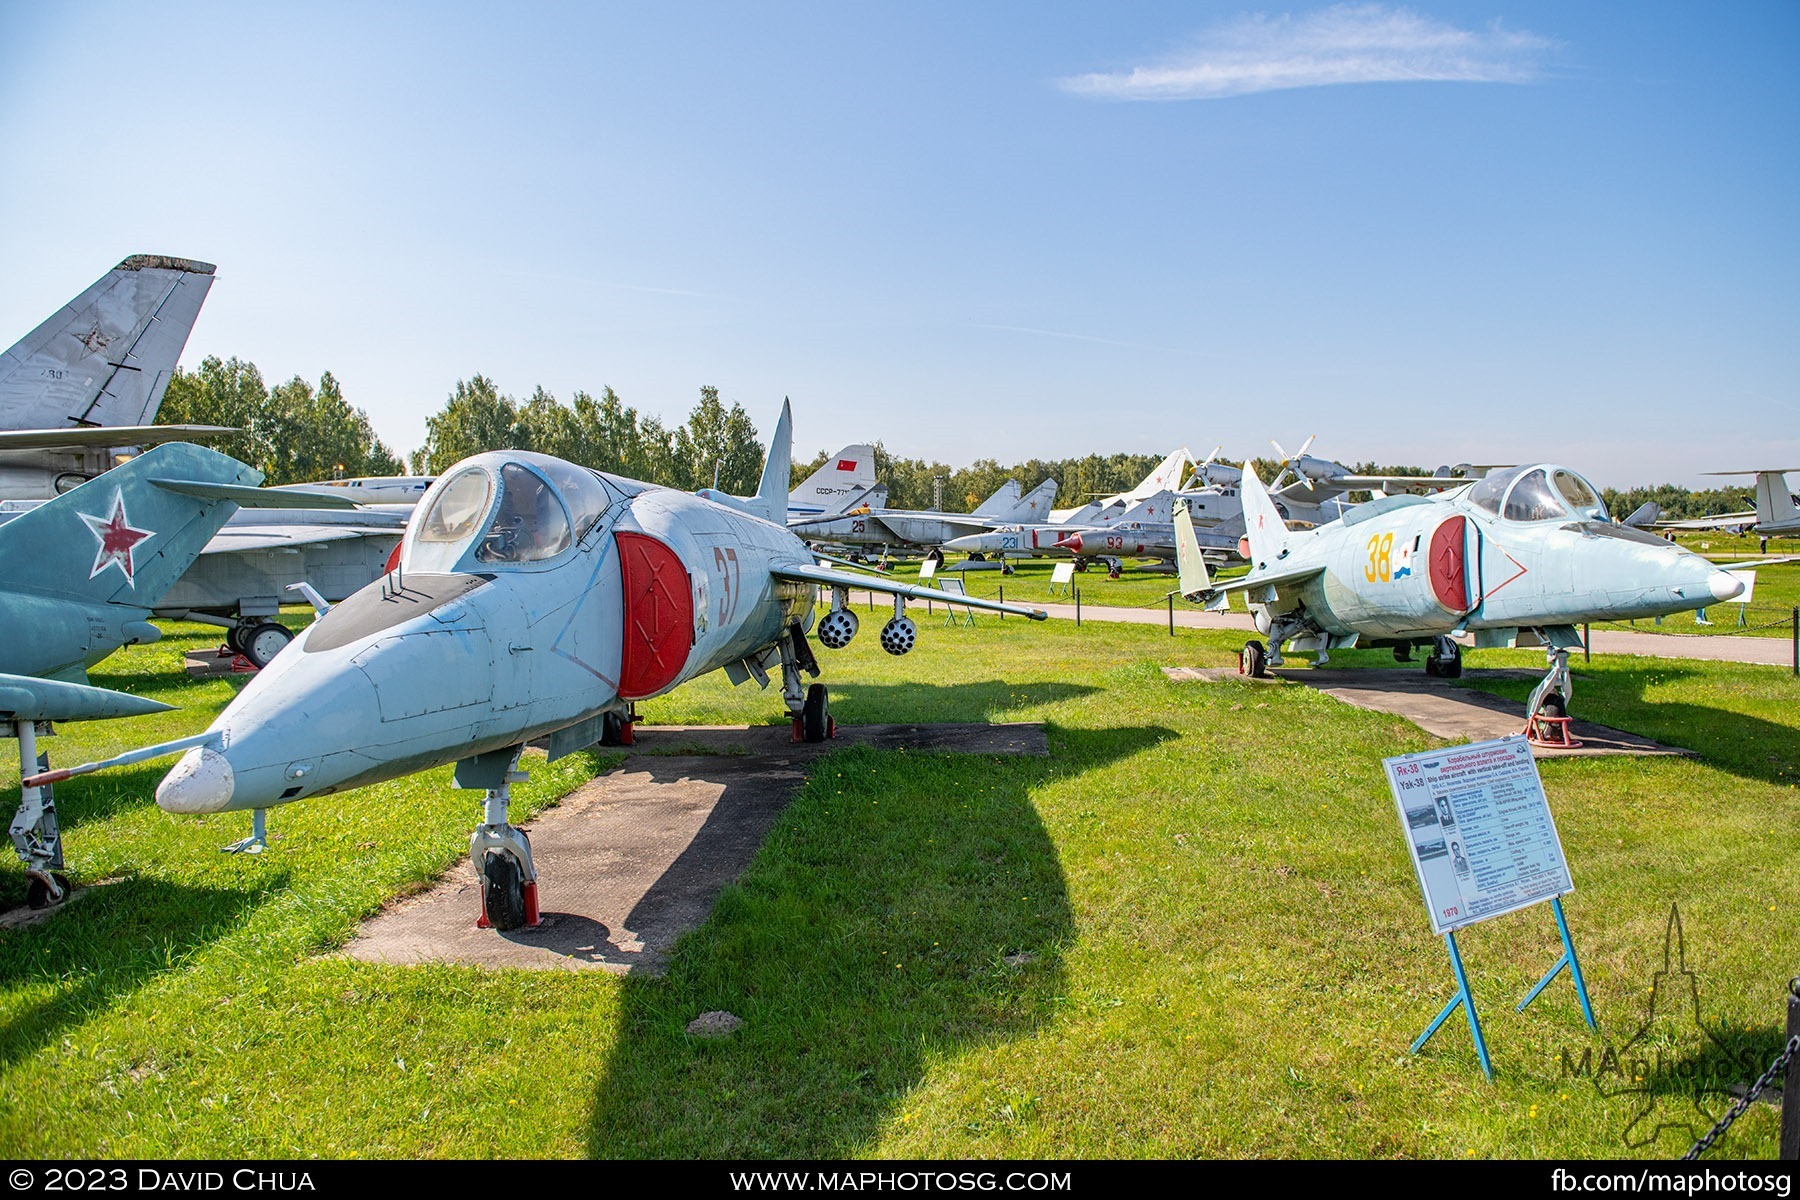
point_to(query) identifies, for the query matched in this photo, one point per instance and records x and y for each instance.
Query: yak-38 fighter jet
(533, 598)
(1520, 557)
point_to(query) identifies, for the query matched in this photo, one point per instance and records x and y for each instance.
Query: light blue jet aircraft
(1518, 558)
(79, 577)
(533, 598)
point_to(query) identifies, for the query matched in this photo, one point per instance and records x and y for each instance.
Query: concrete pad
(632, 859)
(201, 664)
(1214, 675)
(1452, 712)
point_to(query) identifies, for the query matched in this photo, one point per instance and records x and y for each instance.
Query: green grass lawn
(1193, 930)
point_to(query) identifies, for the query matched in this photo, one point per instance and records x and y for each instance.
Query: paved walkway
(1439, 707)
(1715, 647)
(630, 860)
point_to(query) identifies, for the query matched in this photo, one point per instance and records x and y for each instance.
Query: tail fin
(1159, 507)
(1169, 475)
(1001, 504)
(849, 469)
(105, 357)
(1036, 504)
(1644, 515)
(1263, 525)
(1774, 503)
(772, 493)
(120, 537)
(1188, 559)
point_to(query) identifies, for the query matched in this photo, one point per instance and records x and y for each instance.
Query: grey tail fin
(105, 357)
(1035, 506)
(772, 493)
(1774, 503)
(121, 537)
(1001, 504)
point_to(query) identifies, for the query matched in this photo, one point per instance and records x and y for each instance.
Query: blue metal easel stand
(1465, 998)
(1568, 960)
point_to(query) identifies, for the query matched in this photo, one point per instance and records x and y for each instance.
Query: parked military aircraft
(1775, 511)
(887, 529)
(79, 576)
(833, 487)
(88, 380)
(533, 598)
(1165, 477)
(1520, 557)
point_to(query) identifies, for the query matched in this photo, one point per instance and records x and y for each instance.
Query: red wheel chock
(1550, 732)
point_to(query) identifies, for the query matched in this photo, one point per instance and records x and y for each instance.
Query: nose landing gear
(500, 852)
(1547, 711)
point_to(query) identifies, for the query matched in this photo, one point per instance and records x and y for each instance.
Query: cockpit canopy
(1538, 493)
(504, 509)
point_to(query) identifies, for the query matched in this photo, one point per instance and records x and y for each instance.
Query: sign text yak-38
(1518, 558)
(534, 598)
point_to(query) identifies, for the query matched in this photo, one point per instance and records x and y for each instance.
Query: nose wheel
(501, 855)
(1445, 659)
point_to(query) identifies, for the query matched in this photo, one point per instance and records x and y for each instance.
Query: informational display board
(953, 586)
(1479, 828)
(1063, 573)
(1749, 578)
(927, 569)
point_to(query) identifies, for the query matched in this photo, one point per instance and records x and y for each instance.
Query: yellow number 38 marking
(1381, 559)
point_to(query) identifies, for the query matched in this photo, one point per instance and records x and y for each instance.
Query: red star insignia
(118, 540)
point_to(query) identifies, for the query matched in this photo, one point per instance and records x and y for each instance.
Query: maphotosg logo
(1674, 1077)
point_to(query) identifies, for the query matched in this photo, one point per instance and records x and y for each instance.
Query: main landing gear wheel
(816, 724)
(1445, 660)
(1403, 652)
(38, 894)
(264, 641)
(1554, 706)
(615, 730)
(1253, 660)
(234, 638)
(504, 894)
(936, 556)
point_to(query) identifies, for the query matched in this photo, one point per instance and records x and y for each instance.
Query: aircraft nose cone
(1072, 542)
(1724, 585)
(200, 783)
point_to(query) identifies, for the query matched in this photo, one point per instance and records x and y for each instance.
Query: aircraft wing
(828, 577)
(1722, 521)
(79, 437)
(23, 698)
(252, 497)
(281, 537)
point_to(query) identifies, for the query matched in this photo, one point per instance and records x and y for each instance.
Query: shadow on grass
(1744, 744)
(976, 700)
(903, 909)
(106, 945)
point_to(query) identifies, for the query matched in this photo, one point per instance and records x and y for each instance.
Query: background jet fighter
(1520, 557)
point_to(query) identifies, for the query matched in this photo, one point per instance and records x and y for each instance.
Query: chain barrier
(1778, 1067)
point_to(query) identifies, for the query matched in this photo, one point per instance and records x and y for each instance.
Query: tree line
(297, 432)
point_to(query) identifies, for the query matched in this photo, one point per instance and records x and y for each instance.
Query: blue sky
(1430, 233)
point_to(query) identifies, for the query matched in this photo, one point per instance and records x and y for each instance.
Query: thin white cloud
(1346, 43)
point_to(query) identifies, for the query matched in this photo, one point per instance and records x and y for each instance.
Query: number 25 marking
(1381, 559)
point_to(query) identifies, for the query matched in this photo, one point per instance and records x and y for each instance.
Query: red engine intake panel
(1449, 575)
(659, 615)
